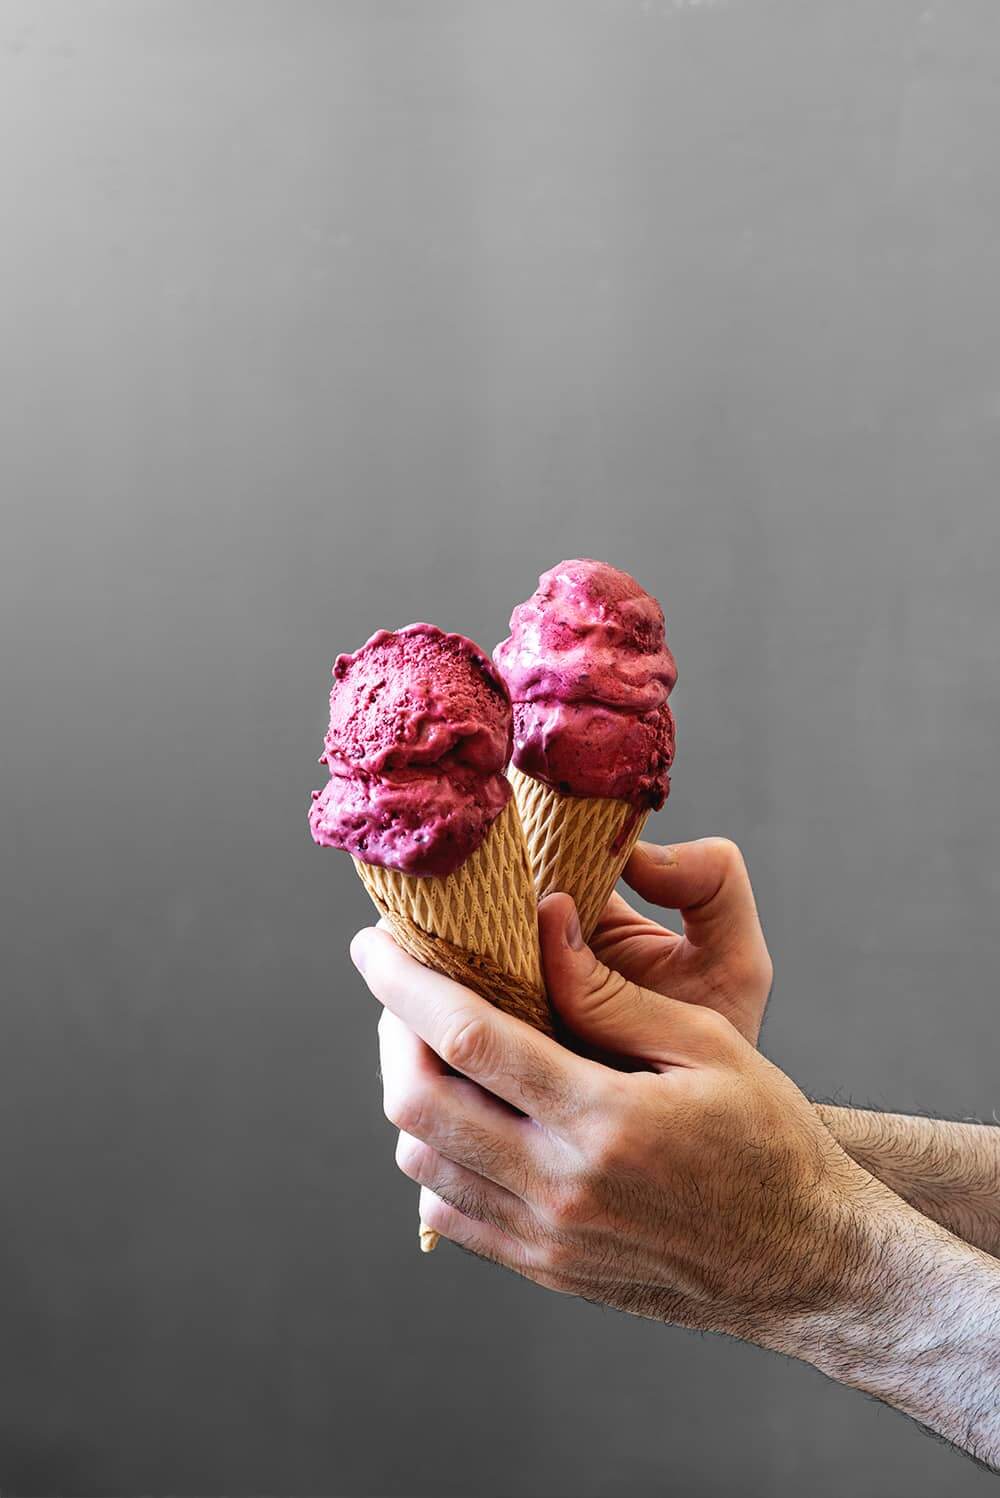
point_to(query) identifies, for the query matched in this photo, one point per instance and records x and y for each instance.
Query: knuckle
(604, 987)
(408, 1110)
(435, 1212)
(574, 1202)
(607, 1148)
(607, 983)
(555, 1257)
(765, 971)
(375, 974)
(728, 853)
(411, 1156)
(752, 968)
(717, 1033)
(467, 1045)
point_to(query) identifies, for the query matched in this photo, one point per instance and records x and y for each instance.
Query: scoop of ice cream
(420, 732)
(589, 671)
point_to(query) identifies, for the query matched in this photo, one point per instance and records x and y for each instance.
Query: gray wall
(320, 317)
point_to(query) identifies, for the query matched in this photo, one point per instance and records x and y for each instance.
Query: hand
(721, 961)
(702, 1190)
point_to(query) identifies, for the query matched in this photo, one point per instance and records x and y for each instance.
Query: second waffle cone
(577, 844)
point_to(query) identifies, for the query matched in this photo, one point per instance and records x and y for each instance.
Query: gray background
(321, 317)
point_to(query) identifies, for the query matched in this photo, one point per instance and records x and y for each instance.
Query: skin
(672, 1171)
(948, 1171)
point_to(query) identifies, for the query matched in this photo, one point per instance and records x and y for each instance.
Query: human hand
(701, 1190)
(721, 960)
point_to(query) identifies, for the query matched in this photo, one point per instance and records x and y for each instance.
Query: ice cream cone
(477, 925)
(428, 1239)
(420, 733)
(577, 844)
(589, 673)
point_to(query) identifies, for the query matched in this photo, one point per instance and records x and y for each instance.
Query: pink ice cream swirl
(589, 671)
(420, 733)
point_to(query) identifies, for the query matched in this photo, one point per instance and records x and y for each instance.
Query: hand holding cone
(420, 733)
(453, 853)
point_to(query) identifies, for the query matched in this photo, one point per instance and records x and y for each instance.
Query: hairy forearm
(920, 1330)
(950, 1172)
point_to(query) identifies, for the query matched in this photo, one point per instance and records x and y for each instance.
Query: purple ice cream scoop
(589, 672)
(420, 733)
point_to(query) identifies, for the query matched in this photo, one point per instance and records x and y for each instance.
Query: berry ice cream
(420, 732)
(589, 671)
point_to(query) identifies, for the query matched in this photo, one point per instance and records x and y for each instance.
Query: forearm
(950, 1172)
(919, 1328)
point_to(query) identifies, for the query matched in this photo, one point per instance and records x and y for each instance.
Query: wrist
(862, 1327)
(849, 1268)
(948, 1171)
(916, 1324)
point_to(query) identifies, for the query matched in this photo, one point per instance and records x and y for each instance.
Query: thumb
(607, 1011)
(708, 883)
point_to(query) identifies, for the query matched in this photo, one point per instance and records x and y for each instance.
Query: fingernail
(574, 936)
(359, 954)
(656, 853)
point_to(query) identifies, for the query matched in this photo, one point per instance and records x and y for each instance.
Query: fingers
(707, 881)
(469, 1193)
(528, 1070)
(404, 1056)
(611, 1012)
(631, 943)
(490, 1243)
(478, 1237)
(722, 960)
(618, 916)
(453, 1116)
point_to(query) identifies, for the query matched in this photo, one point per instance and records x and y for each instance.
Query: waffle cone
(477, 925)
(577, 844)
